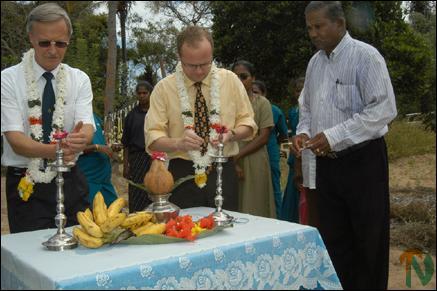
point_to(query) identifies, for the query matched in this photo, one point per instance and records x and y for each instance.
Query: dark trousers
(139, 165)
(188, 194)
(313, 213)
(40, 210)
(353, 203)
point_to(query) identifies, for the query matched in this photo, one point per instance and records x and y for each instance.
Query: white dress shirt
(14, 109)
(348, 96)
(308, 159)
(309, 169)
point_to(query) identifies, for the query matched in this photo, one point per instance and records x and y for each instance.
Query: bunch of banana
(96, 227)
(142, 222)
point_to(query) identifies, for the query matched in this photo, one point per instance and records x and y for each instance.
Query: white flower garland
(201, 163)
(35, 113)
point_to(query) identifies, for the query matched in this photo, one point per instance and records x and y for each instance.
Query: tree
(422, 7)
(160, 38)
(155, 49)
(273, 36)
(187, 12)
(111, 64)
(88, 52)
(122, 11)
(422, 18)
(407, 53)
(270, 34)
(14, 37)
(13, 25)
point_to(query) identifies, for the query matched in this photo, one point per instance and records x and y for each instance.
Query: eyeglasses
(58, 44)
(200, 66)
(243, 76)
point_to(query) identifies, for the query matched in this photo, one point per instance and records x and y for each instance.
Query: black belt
(16, 171)
(336, 155)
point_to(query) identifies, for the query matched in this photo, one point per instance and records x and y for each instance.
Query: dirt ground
(408, 173)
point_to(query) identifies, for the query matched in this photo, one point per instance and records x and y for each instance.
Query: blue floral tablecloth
(260, 254)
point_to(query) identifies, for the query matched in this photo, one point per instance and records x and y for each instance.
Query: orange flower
(35, 121)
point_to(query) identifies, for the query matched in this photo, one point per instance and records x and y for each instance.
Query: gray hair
(48, 12)
(334, 9)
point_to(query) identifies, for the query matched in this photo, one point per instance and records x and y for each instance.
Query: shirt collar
(345, 41)
(39, 71)
(206, 81)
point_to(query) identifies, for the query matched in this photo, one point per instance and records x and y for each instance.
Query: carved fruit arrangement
(158, 179)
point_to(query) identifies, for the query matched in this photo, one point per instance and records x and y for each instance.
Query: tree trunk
(112, 57)
(124, 71)
(161, 64)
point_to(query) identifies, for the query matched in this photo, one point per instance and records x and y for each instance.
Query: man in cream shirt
(172, 124)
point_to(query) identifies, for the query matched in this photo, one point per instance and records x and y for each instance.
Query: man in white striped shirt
(347, 104)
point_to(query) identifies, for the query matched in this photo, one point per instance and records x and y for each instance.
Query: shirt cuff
(151, 137)
(334, 135)
(250, 123)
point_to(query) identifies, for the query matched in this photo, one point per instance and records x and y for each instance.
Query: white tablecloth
(260, 254)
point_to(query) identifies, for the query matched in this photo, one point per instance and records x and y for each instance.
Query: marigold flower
(200, 179)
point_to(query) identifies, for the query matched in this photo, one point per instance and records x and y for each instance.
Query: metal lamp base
(222, 219)
(162, 208)
(60, 242)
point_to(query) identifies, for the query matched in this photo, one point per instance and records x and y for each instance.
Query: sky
(145, 13)
(139, 7)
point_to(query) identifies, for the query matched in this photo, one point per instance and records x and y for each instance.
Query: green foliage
(13, 32)
(272, 35)
(411, 70)
(155, 44)
(423, 21)
(408, 139)
(88, 52)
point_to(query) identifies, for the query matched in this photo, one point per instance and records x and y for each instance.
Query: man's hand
(319, 145)
(69, 155)
(76, 140)
(298, 144)
(190, 141)
(227, 137)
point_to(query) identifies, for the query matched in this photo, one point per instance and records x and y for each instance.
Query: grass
(409, 139)
(412, 209)
(412, 206)
(414, 235)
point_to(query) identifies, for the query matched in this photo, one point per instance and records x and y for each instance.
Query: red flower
(35, 121)
(220, 129)
(180, 227)
(60, 134)
(207, 222)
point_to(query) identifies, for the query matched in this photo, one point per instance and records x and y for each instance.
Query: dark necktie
(201, 120)
(48, 106)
